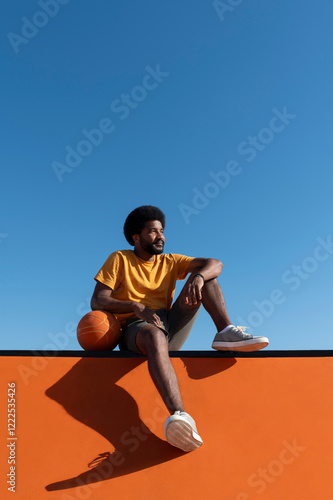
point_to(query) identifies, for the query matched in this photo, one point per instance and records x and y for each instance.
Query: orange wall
(266, 425)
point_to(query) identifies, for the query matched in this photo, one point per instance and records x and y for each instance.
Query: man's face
(151, 238)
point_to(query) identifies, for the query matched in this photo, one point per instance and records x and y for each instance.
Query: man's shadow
(89, 393)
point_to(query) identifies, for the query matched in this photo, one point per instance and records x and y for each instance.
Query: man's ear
(136, 238)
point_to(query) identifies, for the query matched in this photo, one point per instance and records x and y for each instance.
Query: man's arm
(208, 269)
(102, 300)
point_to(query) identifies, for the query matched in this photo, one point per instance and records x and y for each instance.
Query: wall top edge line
(173, 354)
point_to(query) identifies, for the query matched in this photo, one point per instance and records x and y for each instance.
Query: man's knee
(211, 286)
(151, 339)
(211, 282)
(184, 307)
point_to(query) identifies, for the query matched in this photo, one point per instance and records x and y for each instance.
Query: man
(138, 287)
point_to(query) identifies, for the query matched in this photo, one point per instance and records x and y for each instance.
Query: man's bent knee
(211, 286)
(184, 308)
(151, 339)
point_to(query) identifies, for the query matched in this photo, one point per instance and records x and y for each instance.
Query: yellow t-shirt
(150, 283)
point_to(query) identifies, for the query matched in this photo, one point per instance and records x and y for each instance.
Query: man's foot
(234, 338)
(180, 431)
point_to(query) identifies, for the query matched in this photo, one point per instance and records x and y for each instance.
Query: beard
(155, 248)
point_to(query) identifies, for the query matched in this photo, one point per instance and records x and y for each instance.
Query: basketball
(98, 330)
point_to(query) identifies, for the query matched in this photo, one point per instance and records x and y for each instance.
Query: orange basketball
(98, 330)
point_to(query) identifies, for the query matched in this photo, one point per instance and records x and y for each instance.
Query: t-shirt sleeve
(182, 263)
(109, 274)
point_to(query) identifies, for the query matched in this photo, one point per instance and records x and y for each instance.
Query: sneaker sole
(181, 435)
(243, 345)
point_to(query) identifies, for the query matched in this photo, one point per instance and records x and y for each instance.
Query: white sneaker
(180, 431)
(234, 338)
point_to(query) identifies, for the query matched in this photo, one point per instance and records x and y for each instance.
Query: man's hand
(148, 315)
(193, 291)
(102, 299)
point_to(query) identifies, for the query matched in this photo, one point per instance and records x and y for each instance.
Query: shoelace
(242, 329)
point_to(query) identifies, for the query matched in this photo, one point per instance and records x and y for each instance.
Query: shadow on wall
(89, 393)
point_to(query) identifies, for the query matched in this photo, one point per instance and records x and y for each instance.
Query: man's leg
(152, 342)
(213, 302)
(179, 429)
(229, 337)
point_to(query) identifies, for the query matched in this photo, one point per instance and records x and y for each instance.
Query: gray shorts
(176, 326)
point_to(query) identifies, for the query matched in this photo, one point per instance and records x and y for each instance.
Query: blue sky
(220, 114)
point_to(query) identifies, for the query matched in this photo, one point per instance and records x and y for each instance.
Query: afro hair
(138, 218)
